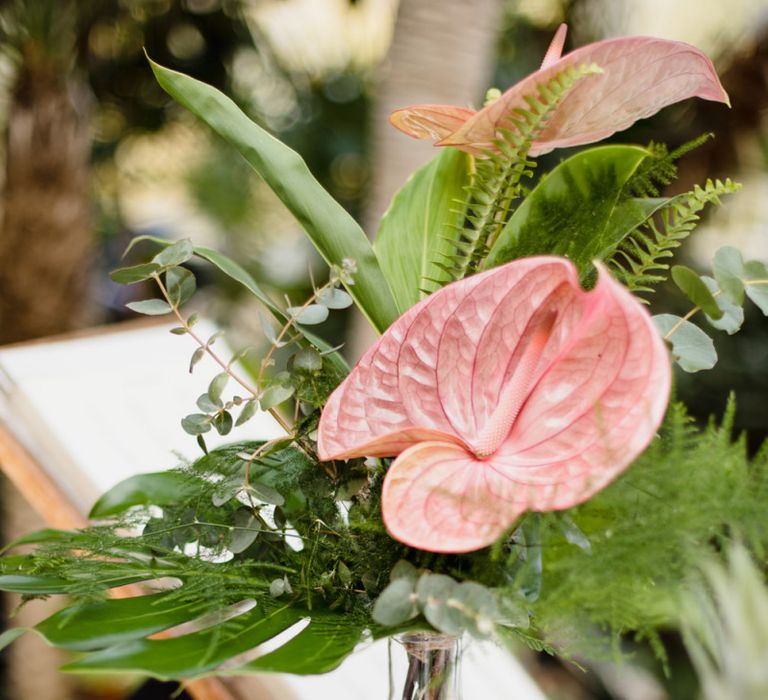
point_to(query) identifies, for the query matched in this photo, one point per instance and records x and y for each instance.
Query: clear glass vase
(432, 667)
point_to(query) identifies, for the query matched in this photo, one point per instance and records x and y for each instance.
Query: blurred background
(93, 153)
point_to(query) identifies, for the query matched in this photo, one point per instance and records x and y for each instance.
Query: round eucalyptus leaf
(728, 267)
(757, 284)
(396, 604)
(733, 314)
(692, 348)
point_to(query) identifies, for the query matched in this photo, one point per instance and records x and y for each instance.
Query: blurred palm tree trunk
(442, 52)
(46, 237)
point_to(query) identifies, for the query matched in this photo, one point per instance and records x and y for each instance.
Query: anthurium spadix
(508, 391)
(635, 77)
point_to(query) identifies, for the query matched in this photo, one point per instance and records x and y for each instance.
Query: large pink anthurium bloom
(509, 391)
(640, 75)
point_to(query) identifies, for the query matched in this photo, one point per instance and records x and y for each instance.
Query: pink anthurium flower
(640, 75)
(508, 391)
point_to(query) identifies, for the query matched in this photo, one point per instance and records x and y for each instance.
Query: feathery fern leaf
(498, 176)
(639, 261)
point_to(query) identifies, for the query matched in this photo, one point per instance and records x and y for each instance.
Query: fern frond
(639, 260)
(660, 169)
(497, 179)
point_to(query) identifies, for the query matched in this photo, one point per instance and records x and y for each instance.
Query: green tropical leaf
(109, 622)
(333, 231)
(157, 488)
(320, 647)
(568, 213)
(190, 655)
(416, 232)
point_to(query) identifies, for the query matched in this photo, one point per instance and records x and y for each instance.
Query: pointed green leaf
(275, 395)
(131, 275)
(728, 267)
(696, 290)
(181, 285)
(569, 211)
(217, 385)
(334, 232)
(11, 635)
(175, 254)
(416, 231)
(248, 411)
(156, 488)
(692, 348)
(86, 627)
(190, 655)
(150, 307)
(318, 648)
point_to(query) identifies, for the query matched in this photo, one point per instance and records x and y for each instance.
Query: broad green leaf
(333, 231)
(33, 585)
(416, 231)
(626, 217)
(320, 647)
(696, 290)
(137, 273)
(568, 213)
(733, 314)
(150, 307)
(87, 627)
(175, 254)
(692, 348)
(191, 655)
(756, 280)
(196, 423)
(728, 267)
(157, 488)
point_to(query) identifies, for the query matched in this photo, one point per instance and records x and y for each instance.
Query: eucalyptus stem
(252, 391)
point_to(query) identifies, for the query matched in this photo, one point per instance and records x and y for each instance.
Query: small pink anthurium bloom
(509, 391)
(639, 75)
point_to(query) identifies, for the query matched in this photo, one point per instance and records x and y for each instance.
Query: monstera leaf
(577, 210)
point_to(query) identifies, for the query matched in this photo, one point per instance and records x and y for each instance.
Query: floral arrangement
(504, 461)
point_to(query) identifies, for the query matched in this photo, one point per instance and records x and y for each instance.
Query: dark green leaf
(728, 268)
(318, 648)
(334, 232)
(692, 348)
(420, 225)
(190, 655)
(157, 488)
(696, 290)
(137, 273)
(180, 284)
(150, 307)
(568, 213)
(223, 423)
(92, 626)
(33, 585)
(175, 254)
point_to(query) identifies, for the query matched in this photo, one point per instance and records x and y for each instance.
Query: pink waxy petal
(641, 75)
(555, 49)
(430, 121)
(509, 391)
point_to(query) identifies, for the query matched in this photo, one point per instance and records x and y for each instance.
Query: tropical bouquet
(504, 461)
